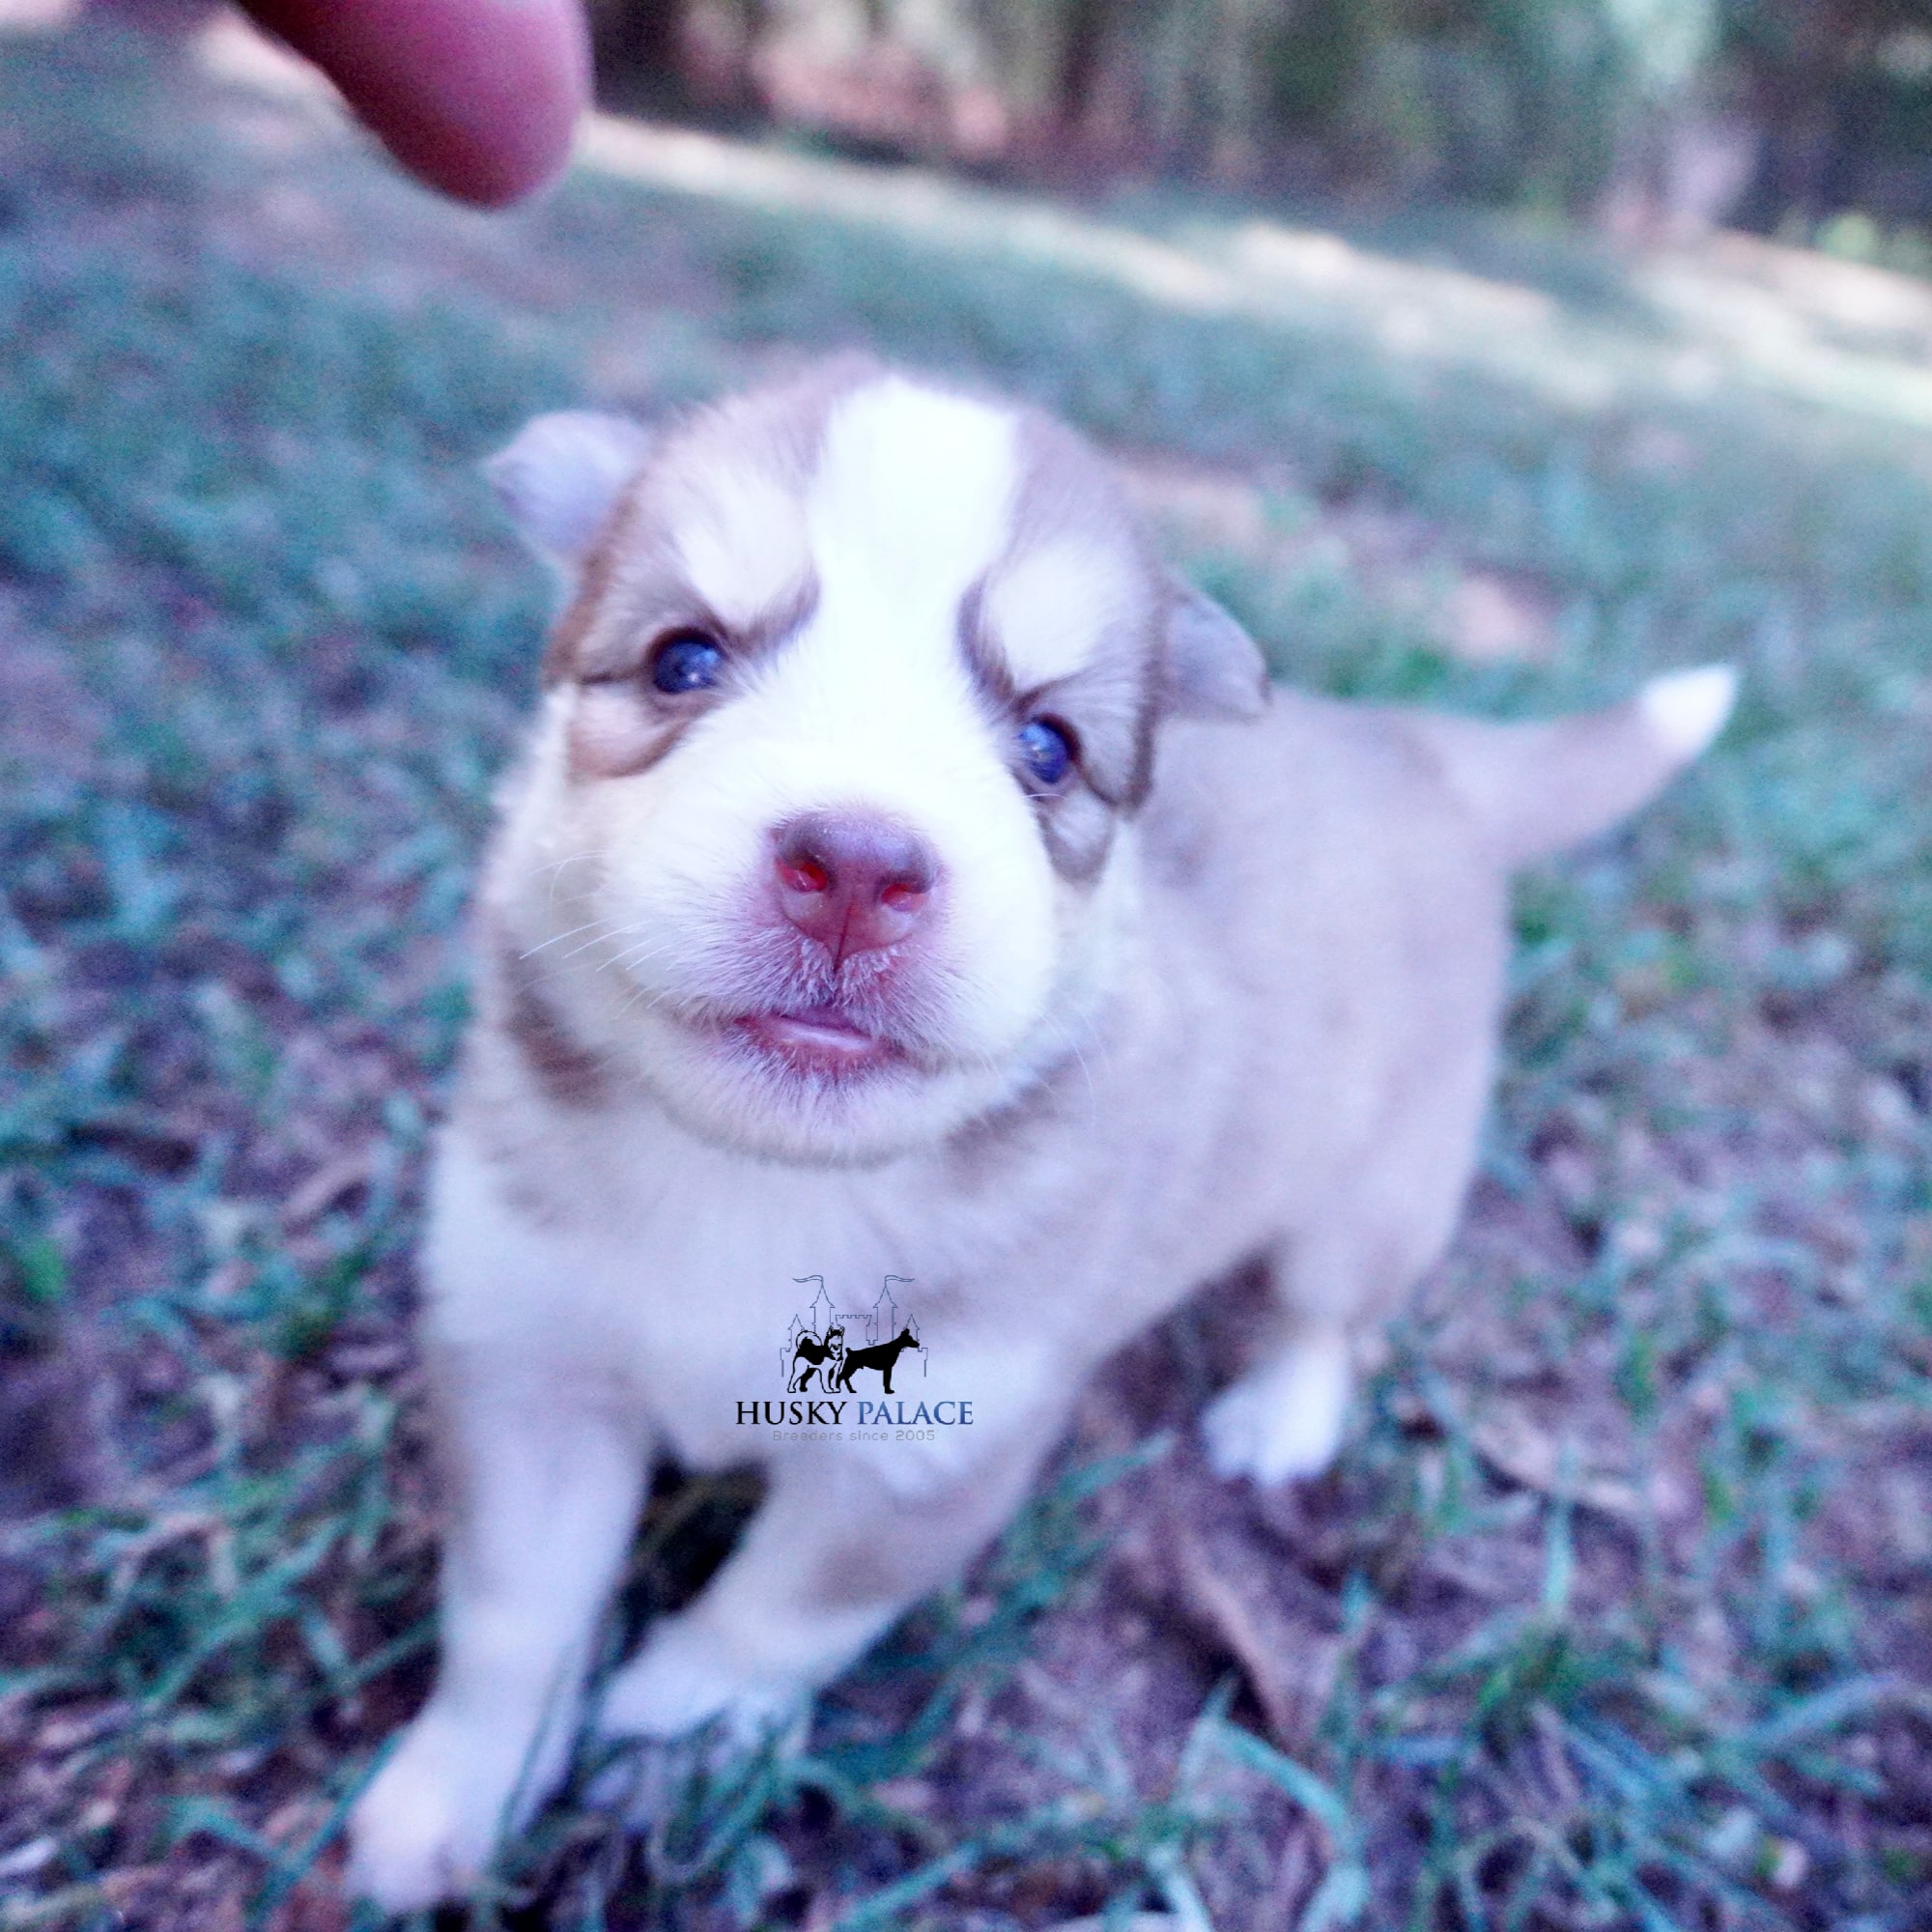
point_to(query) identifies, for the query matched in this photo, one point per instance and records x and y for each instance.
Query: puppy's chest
(709, 1274)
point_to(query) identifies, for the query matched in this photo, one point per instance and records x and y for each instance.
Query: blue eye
(1046, 750)
(686, 661)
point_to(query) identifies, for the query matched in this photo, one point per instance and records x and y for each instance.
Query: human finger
(476, 98)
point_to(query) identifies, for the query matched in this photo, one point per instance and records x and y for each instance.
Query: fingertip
(476, 98)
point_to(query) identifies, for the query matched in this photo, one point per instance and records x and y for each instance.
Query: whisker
(556, 937)
(603, 938)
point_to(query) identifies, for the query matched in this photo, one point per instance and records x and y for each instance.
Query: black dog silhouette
(882, 1356)
(813, 1353)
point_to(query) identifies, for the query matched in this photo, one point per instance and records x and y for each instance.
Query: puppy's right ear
(561, 478)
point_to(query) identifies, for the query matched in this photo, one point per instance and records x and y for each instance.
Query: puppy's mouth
(824, 1040)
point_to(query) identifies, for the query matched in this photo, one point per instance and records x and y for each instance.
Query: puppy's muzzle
(853, 882)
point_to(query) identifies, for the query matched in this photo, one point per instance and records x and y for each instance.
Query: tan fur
(1278, 948)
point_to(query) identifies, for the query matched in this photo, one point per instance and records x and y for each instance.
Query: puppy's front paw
(683, 1678)
(1282, 1419)
(424, 1830)
(690, 1715)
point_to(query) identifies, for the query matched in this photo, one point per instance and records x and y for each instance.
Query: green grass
(1616, 1613)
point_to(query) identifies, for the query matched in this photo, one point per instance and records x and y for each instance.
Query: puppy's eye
(1048, 751)
(686, 661)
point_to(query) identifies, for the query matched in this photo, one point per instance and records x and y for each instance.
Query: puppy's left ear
(561, 478)
(1209, 666)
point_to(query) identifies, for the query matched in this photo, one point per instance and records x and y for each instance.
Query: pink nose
(852, 882)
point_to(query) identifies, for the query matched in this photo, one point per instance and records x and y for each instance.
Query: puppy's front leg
(1285, 1417)
(841, 1548)
(546, 1468)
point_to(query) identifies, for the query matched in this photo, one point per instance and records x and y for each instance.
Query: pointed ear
(562, 476)
(1209, 665)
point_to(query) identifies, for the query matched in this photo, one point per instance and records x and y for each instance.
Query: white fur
(868, 709)
(1284, 1419)
(1689, 708)
(738, 532)
(561, 1303)
(1049, 610)
(912, 500)
(631, 900)
(1288, 1062)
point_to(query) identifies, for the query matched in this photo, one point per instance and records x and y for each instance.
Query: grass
(1616, 1613)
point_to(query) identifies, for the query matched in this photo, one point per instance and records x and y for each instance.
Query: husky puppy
(908, 875)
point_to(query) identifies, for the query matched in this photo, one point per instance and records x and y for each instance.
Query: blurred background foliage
(1776, 115)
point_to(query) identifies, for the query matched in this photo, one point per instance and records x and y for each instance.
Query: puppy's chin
(799, 1087)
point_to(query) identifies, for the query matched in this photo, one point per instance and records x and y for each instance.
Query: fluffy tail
(1537, 789)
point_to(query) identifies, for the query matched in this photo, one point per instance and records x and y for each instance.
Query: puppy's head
(858, 683)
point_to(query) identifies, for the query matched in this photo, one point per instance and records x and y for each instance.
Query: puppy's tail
(1538, 789)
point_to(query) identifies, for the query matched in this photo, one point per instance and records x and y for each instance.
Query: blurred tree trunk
(1798, 57)
(1085, 47)
(640, 44)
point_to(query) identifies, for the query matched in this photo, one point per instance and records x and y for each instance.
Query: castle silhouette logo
(822, 1348)
(838, 1369)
